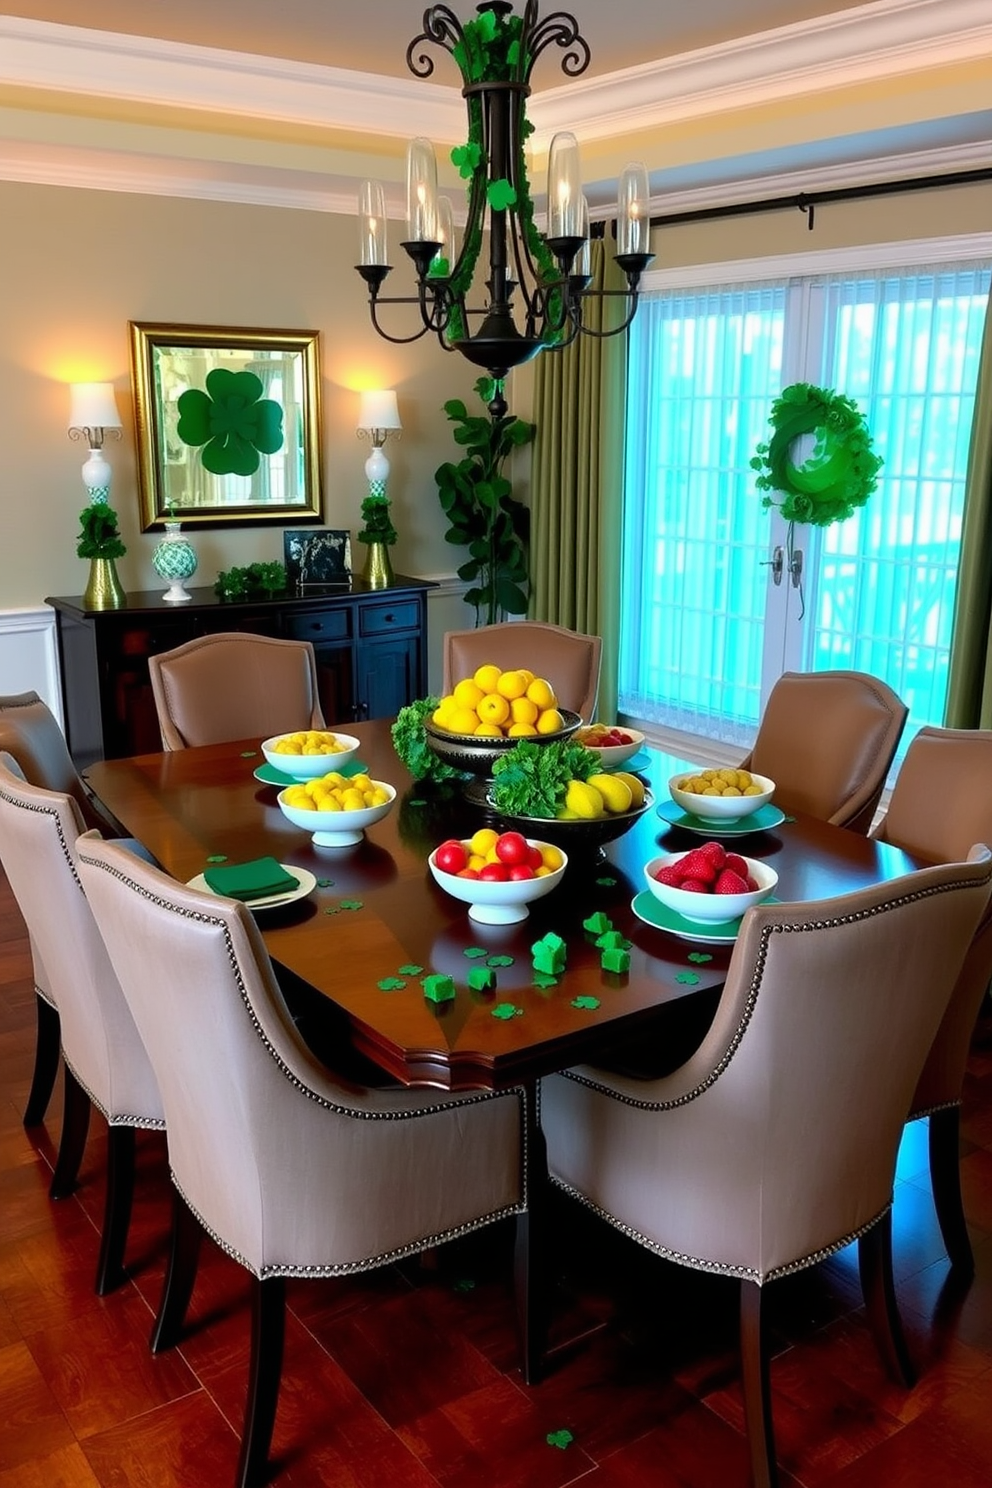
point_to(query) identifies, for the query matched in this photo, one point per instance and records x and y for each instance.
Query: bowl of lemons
(336, 809)
(488, 713)
(592, 813)
(721, 795)
(308, 753)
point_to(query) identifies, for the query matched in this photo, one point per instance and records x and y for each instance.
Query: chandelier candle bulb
(564, 188)
(633, 211)
(372, 225)
(421, 192)
(445, 255)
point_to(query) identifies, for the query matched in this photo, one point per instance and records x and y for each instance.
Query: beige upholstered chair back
(827, 739)
(567, 659)
(287, 1167)
(775, 1143)
(30, 732)
(234, 686)
(38, 833)
(942, 802)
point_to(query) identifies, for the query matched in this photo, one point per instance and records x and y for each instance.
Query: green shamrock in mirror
(232, 421)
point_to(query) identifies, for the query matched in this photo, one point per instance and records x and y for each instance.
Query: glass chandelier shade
(535, 284)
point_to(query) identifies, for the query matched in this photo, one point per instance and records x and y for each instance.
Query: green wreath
(839, 475)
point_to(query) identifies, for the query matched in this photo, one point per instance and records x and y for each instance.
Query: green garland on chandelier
(839, 475)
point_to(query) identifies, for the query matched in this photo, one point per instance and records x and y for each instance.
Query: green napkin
(254, 880)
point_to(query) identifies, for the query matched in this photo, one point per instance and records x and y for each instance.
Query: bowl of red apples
(707, 884)
(497, 874)
(612, 743)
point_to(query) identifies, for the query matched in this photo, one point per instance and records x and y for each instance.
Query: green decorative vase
(103, 589)
(378, 571)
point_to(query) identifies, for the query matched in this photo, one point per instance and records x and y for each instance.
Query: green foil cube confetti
(474, 952)
(438, 988)
(507, 1010)
(549, 954)
(391, 984)
(560, 1439)
(597, 923)
(584, 1003)
(700, 957)
(482, 979)
(411, 969)
(617, 959)
(686, 978)
(613, 940)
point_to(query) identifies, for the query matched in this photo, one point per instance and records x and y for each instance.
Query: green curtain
(969, 690)
(577, 481)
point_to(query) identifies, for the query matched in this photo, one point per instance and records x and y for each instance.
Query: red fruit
(622, 738)
(669, 873)
(520, 871)
(695, 886)
(451, 856)
(534, 857)
(737, 863)
(752, 884)
(699, 865)
(467, 873)
(512, 848)
(494, 873)
(716, 853)
(730, 882)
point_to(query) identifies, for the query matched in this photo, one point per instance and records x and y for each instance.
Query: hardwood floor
(408, 1376)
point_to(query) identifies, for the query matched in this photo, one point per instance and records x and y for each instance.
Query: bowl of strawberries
(707, 884)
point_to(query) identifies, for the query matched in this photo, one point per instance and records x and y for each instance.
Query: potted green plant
(100, 541)
(477, 500)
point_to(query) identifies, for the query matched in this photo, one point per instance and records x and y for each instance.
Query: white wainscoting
(29, 655)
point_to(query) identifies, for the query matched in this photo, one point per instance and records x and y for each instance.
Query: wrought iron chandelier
(538, 283)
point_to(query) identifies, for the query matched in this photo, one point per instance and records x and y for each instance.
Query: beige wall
(79, 264)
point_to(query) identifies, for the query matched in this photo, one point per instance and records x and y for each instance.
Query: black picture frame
(317, 558)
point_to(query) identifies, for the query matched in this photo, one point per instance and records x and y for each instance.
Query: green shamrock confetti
(562, 1438)
(217, 858)
(606, 883)
(411, 969)
(500, 961)
(466, 158)
(585, 1003)
(506, 1010)
(352, 904)
(597, 923)
(474, 952)
(332, 909)
(249, 754)
(544, 980)
(500, 195)
(686, 978)
(464, 1284)
(418, 801)
(700, 957)
(391, 984)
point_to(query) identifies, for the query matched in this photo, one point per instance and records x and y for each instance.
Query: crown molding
(871, 42)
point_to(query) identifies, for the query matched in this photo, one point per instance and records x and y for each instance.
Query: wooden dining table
(376, 923)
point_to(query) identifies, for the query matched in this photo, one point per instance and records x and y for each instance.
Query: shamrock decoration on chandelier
(232, 421)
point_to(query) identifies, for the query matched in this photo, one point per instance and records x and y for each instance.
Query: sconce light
(378, 416)
(92, 414)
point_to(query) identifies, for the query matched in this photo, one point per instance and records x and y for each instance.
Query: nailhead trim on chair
(46, 811)
(759, 966)
(45, 996)
(146, 1123)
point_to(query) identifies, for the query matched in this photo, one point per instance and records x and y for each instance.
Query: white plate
(305, 884)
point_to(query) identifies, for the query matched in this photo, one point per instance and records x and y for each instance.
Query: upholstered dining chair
(567, 659)
(774, 1145)
(827, 739)
(234, 685)
(292, 1171)
(30, 733)
(105, 1061)
(941, 802)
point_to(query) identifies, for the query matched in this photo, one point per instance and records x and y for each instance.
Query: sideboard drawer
(379, 619)
(326, 625)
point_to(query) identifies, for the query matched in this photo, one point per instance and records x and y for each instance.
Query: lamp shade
(93, 406)
(378, 410)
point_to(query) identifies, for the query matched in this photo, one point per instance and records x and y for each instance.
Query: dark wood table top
(192, 804)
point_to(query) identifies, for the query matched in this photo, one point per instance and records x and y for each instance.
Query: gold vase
(103, 591)
(378, 571)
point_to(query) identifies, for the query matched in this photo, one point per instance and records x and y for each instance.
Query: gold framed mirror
(227, 425)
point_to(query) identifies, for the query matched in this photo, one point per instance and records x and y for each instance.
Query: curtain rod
(808, 201)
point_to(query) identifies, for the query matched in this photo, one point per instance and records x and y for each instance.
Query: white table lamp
(92, 414)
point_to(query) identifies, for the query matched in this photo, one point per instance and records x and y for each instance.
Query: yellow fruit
(635, 786)
(379, 796)
(477, 861)
(584, 799)
(551, 857)
(493, 709)
(542, 694)
(483, 840)
(489, 731)
(511, 685)
(542, 872)
(521, 731)
(352, 800)
(522, 710)
(297, 797)
(468, 694)
(616, 793)
(463, 720)
(442, 712)
(486, 677)
(328, 802)
(360, 782)
(549, 722)
(566, 814)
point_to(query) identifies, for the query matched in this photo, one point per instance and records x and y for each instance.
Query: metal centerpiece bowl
(478, 756)
(577, 836)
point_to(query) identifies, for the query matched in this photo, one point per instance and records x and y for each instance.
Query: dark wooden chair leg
(46, 1062)
(184, 1254)
(110, 1271)
(875, 1266)
(530, 1260)
(757, 1390)
(945, 1181)
(268, 1326)
(72, 1143)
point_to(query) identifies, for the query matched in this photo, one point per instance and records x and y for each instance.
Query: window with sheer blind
(706, 628)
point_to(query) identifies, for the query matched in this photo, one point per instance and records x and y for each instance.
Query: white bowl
(337, 828)
(614, 755)
(720, 808)
(709, 909)
(498, 903)
(309, 766)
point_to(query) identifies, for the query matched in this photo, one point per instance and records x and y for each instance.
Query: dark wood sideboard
(371, 648)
